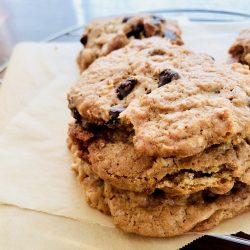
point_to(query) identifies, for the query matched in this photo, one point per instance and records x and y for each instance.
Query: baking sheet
(36, 184)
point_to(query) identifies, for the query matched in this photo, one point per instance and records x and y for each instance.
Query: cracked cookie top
(176, 101)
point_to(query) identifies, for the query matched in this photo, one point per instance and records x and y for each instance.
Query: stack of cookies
(161, 137)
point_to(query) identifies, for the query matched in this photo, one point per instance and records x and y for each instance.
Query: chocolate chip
(125, 88)
(84, 40)
(114, 113)
(166, 76)
(76, 115)
(136, 31)
(171, 35)
(125, 19)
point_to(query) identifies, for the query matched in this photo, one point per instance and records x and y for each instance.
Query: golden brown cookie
(177, 102)
(161, 138)
(106, 35)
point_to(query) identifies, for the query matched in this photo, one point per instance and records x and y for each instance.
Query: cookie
(106, 35)
(174, 101)
(112, 156)
(158, 214)
(161, 138)
(240, 49)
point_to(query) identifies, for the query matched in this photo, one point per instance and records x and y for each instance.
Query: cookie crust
(206, 104)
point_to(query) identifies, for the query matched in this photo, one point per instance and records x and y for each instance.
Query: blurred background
(63, 20)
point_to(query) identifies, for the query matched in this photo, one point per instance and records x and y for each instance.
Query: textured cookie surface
(240, 50)
(177, 102)
(160, 139)
(103, 36)
(158, 214)
(112, 157)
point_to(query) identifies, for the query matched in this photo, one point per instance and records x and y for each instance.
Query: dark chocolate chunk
(136, 31)
(166, 76)
(76, 115)
(125, 19)
(171, 35)
(125, 87)
(114, 113)
(84, 39)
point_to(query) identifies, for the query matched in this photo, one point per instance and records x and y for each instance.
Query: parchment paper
(42, 204)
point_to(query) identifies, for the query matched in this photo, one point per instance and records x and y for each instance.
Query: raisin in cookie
(159, 214)
(103, 36)
(240, 50)
(174, 101)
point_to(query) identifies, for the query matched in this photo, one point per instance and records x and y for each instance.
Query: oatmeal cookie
(103, 36)
(176, 102)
